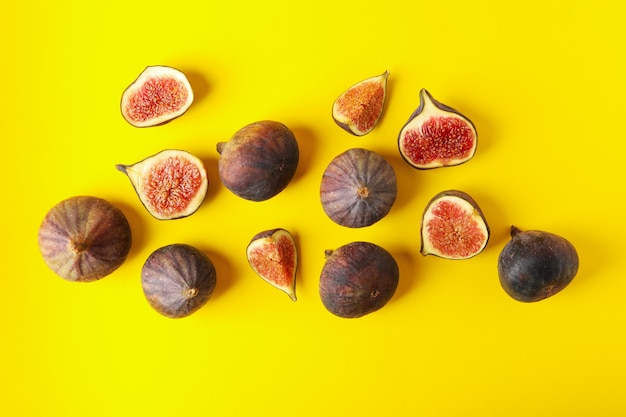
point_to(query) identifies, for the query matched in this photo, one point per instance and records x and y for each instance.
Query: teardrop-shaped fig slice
(259, 160)
(535, 264)
(272, 254)
(358, 109)
(84, 238)
(358, 188)
(436, 136)
(358, 278)
(177, 280)
(170, 184)
(453, 226)
(159, 95)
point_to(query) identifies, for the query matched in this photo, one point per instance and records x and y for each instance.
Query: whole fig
(357, 279)
(84, 238)
(177, 280)
(535, 265)
(259, 161)
(358, 188)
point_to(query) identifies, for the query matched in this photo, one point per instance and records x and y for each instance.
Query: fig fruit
(259, 161)
(170, 184)
(273, 256)
(453, 226)
(358, 188)
(159, 95)
(177, 280)
(535, 265)
(84, 238)
(358, 109)
(357, 279)
(436, 136)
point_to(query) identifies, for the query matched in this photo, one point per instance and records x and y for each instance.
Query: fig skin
(84, 238)
(272, 255)
(259, 161)
(357, 279)
(436, 136)
(171, 184)
(148, 100)
(358, 188)
(177, 280)
(461, 238)
(359, 108)
(535, 265)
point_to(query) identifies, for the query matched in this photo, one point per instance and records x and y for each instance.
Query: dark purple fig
(535, 265)
(159, 95)
(358, 109)
(358, 188)
(177, 280)
(84, 238)
(259, 161)
(453, 226)
(436, 136)
(358, 279)
(171, 184)
(272, 254)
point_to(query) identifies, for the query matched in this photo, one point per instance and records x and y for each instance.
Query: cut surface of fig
(259, 160)
(273, 256)
(436, 136)
(357, 279)
(170, 184)
(535, 265)
(177, 280)
(358, 188)
(359, 109)
(453, 226)
(159, 95)
(84, 238)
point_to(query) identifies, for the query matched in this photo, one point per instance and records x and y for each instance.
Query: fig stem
(327, 253)
(220, 147)
(515, 230)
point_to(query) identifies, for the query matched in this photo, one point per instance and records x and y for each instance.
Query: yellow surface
(542, 81)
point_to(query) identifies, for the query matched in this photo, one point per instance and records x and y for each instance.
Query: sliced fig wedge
(436, 136)
(159, 95)
(272, 254)
(358, 109)
(453, 226)
(170, 184)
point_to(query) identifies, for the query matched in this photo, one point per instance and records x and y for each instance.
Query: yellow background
(542, 81)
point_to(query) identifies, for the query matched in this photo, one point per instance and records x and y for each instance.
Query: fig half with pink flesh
(359, 109)
(84, 238)
(436, 136)
(170, 184)
(453, 226)
(272, 254)
(159, 95)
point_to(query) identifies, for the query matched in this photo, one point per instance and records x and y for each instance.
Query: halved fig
(358, 188)
(170, 184)
(436, 136)
(358, 109)
(159, 95)
(178, 279)
(273, 256)
(453, 226)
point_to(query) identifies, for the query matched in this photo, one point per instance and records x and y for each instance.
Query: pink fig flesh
(273, 256)
(159, 95)
(436, 136)
(453, 226)
(359, 109)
